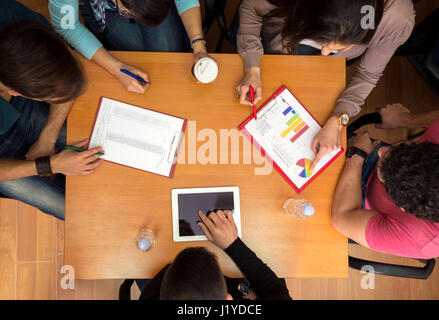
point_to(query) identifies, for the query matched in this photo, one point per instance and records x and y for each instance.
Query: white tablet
(187, 202)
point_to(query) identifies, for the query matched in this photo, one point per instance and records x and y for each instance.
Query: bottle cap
(309, 210)
(205, 70)
(144, 244)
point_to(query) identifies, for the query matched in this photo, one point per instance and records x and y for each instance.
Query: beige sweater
(394, 29)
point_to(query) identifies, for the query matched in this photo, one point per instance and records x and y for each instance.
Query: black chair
(393, 270)
(210, 13)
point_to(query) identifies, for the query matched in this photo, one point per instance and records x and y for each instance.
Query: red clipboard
(244, 131)
(183, 129)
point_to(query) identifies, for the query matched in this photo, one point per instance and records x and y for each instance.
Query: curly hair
(411, 178)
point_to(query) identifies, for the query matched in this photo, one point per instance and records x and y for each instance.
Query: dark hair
(36, 62)
(325, 21)
(148, 12)
(194, 275)
(411, 178)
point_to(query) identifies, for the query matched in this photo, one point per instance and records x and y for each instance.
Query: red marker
(252, 95)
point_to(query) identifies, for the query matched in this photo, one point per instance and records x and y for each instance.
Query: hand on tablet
(219, 227)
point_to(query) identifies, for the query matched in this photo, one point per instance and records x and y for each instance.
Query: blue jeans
(368, 166)
(45, 194)
(123, 34)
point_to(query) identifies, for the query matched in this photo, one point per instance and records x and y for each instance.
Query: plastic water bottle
(145, 239)
(302, 209)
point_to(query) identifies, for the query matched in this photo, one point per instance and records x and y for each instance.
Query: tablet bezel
(175, 213)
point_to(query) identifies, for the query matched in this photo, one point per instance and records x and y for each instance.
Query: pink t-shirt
(394, 231)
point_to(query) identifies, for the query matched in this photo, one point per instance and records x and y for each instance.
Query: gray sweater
(394, 29)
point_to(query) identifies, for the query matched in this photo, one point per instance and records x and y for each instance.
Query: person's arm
(347, 216)
(221, 230)
(80, 38)
(67, 162)
(249, 43)
(263, 280)
(45, 145)
(369, 71)
(190, 14)
(398, 116)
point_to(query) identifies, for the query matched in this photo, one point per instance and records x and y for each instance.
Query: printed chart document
(284, 131)
(137, 137)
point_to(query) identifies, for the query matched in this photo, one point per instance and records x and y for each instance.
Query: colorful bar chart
(295, 123)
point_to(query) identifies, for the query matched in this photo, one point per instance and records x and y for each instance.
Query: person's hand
(75, 163)
(327, 140)
(219, 228)
(200, 52)
(394, 116)
(129, 82)
(41, 148)
(362, 141)
(251, 77)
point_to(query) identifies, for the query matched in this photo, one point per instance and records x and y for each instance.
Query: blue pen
(134, 76)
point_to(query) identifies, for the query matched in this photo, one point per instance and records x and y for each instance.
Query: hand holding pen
(73, 163)
(133, 79)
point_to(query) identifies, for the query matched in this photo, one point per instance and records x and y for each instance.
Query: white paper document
(137, 137)
(285, 130)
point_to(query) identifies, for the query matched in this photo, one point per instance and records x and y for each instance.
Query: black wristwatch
(355, 152)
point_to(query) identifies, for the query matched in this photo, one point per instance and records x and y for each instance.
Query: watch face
(344, 118)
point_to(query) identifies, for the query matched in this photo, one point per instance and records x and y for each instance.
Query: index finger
(91, 152)
(209, 224)
(319, 156)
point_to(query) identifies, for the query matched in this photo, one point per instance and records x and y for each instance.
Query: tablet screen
(189, 204)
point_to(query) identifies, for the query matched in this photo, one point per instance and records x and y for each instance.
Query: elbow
(336, 218)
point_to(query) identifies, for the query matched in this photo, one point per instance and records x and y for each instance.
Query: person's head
(410, 175)
(194, 275)
(334, 24)
(36, 63)
(147, 12)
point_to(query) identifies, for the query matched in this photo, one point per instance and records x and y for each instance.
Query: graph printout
(285, 130)
(137, 137)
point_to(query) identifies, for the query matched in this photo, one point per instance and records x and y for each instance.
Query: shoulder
(261, 7)
(432, 133)
(397, 22)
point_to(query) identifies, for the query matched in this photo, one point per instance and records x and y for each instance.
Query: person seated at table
(129, 25)
(372, 29)
(387, 198)
(196, 275)
(39, 79)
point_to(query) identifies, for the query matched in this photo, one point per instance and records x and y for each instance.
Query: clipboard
(285, 141)
(174, 140)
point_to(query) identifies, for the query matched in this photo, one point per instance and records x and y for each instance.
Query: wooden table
(105, 210)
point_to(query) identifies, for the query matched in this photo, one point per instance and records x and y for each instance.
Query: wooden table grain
(105, 210)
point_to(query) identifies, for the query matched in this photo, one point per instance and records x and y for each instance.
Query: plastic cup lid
(308, 210)
(206, 70)
(144, 244)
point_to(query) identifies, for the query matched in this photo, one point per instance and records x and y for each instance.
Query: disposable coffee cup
(205, 70)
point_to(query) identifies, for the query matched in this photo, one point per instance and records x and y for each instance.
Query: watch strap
(354, 151)
(43, 167)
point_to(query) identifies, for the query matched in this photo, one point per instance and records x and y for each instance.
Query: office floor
(32, 244)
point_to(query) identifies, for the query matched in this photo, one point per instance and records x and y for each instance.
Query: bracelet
(199, 40)
(195, 36)
(43, 167)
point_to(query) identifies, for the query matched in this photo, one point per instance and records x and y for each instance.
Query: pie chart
(303, 166)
